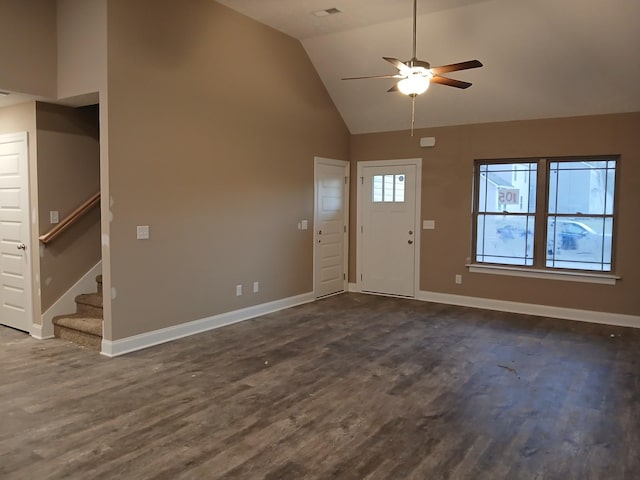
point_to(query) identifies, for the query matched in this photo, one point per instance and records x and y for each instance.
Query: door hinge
(362, 180)
(346, 180)
(361, 229)
(344, 276)
(360, 277)
(345, 229)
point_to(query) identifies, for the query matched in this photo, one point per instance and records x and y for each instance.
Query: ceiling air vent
(327, 12)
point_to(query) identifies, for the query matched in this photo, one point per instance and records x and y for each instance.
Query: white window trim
(568, 276)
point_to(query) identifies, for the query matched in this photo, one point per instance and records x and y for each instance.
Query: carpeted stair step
(89, 305)
(79, 329)
(99, 283)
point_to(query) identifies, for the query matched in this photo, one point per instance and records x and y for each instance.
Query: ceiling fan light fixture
(413, 85)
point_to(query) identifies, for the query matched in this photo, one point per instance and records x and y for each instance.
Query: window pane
(377, 188)
(399, 188)
(581, 243)
(608, 195)
(506, 239)
(507, 187)
(581, 187)
(388, 188)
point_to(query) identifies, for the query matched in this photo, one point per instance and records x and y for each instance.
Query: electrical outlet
(238, 290)
(256, 287)
(459, 279)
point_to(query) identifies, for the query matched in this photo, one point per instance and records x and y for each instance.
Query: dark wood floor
(350, 387)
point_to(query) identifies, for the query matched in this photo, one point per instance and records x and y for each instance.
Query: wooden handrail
(72, 218)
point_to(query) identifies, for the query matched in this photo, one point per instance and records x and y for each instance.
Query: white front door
(331, 211)
(15, 267)
(387, 227)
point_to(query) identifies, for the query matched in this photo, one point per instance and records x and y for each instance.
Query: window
(388, 188)
(553, 214)
(505, 213)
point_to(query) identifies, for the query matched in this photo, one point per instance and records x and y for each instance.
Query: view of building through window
(580, 220)
(506, 213)
(576, 226)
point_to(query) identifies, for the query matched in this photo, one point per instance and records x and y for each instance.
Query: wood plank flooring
(349, 387)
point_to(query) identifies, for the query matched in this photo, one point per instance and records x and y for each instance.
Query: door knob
(319, 232)
(410, 232)
(22, 246)
(410, 242)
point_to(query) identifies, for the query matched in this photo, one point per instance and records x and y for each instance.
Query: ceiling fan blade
(450, 82)
(396, 63)
(374, 76)
(393, 89)
(454, 67)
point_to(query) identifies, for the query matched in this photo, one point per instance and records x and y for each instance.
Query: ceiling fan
(414, 76)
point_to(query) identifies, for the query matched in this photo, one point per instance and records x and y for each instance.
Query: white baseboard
(156, 337)
(41, 333)
(66, 303)
(605, 318)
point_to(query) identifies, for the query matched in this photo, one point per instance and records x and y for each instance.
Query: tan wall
(28, 46)
(22, 118)
(446, 198)
(68, 174)
(82, 47)
(214, 120)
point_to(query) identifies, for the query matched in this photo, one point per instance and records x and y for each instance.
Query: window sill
(587, 277)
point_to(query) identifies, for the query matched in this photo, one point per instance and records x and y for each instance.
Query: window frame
(541, 217)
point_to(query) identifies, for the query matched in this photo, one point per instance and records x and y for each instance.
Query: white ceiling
(542, 58)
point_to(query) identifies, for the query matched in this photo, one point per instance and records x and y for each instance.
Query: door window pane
(388, 188)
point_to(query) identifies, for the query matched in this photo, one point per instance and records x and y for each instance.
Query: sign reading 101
(509, 196)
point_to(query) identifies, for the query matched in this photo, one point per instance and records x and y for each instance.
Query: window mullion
(541, 214)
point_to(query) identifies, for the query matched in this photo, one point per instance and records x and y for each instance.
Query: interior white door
(331, 210)
(15, 268)
(387, 231)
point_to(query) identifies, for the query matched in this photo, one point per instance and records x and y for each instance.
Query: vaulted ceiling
(542, 58)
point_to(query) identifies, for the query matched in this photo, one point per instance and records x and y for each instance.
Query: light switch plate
(54, 216)
(428, 224)
(142, 232)
(304, 224)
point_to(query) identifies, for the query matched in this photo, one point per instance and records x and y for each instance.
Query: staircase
(85, 326)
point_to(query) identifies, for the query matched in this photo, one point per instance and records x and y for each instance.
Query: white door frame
(22, 138)
(347, 174)
(418, 198)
